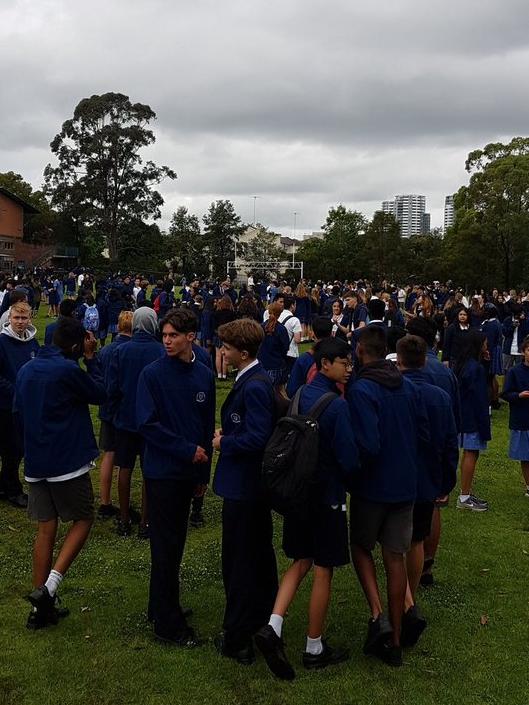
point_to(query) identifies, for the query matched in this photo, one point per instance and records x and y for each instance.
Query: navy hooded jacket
(274, 348)
(107, 410)
(52, 404)
(516, 381)
(175, 411)
(473, 391)
(389, 422)
(443, 377)
(439, 458)
(126, 364)
(248, 418)
(14, 353)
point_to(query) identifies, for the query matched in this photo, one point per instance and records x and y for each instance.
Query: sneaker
(413, 625)
(196, 520)
(124, 528)
(472, 504)
(107, 511)
(378, 631)
(244, 656)
(20, 501)
(479, 501)
(187, 639)
(328, 657)
(273, 650)
(143, 531)
(392, 655)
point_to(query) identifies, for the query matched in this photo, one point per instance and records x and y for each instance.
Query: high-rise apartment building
(409, 210)
(449, 212)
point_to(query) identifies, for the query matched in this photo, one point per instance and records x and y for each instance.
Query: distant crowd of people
(372, 416)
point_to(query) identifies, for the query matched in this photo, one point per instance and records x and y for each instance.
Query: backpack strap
(319, 407)
(293, 409)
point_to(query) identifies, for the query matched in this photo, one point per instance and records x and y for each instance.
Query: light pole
(254, 206)
(294, 237)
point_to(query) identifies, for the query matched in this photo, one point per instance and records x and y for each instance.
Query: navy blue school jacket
(439, 458)
(389, 422)
(338, 459)
(443, 377)
(175, 410)
(50, 330)
(516, 381)
(493, 330)
(248, 418)
(107, 410)
(473, 392)
(51, 402)
(273, 350)
(13, 355)
(509, 331)
(203, 356)
(126, 364)
(299, 372)
(453, 340)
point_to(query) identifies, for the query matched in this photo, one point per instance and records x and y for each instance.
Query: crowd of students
(390, 416)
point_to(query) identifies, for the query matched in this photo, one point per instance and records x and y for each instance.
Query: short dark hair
(67, 307)
(17, 295)
(330, 349)
(289, 301)
(376, 309)
(373, 340)
(411, 349)
(424, 328)
(322, 327)
(183, 320)
(69, 332)
(243, 334)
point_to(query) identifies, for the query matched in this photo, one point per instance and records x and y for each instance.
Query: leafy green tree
(222, 229)
(263, 247)
(185, 243)
(382, 247)
(488, 242)
(100, 179)
(142, 246)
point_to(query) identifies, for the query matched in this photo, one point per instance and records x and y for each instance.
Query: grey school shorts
(390, 524)
(71, 500)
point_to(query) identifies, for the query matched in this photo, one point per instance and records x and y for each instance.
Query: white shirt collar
(248, 367)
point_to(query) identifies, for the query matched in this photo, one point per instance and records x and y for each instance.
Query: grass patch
(104, 652)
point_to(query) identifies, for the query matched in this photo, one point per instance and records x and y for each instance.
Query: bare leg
(105, 477)
(367, 575)
(319, 600)
(432, 541)
(124, 478)
(290, 583)
(468, 468)
(73, 542)
(43, 551)
(397, 582)
(525, 472)
(414, 563)
(218, 361)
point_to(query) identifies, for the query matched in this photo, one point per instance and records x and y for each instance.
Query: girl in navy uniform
(492, 329)
(516, 392)
(274, 347)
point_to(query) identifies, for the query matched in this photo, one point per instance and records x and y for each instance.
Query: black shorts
(422, 520)
(128, 447)
(389, 524)
(323, 537)
(71, 500)
(107, 437)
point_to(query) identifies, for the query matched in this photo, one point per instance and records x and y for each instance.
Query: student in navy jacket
(126, 364)
(319, 542)
(175, 411)
(443, 377)
(391, 423)
(66, 310)
(107, 432)
(248, 561)
(515, 329)
(437, 470)
(493, 330)
(18, 345)
(516, 392)
(475, 417)
(455, 336)
(52, 398)
(274, 348)
(322, 328)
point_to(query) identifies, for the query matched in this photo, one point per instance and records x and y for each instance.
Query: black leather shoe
(329, 657)
(43, 612)
(378, 631)
(187, 639)
(244, 656)
(20, 501)
(392, 655)
(273, 650)
(413, 625)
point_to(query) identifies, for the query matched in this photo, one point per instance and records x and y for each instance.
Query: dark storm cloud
(304, 103)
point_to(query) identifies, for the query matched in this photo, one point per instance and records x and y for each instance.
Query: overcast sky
(304, 103)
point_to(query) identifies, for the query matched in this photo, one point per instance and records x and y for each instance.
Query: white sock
(463, 497)
(314, 646)
(219, 375)
(276, 622)
(53, 582)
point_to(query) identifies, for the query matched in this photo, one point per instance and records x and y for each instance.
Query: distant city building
(315, 234)
(449, 212)
(409, 211)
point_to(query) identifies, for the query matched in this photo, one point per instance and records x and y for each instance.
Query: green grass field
(473, 652)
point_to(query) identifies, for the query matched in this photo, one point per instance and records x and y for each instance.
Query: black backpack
(290, 461)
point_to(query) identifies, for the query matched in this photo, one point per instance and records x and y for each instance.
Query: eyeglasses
(348, 365)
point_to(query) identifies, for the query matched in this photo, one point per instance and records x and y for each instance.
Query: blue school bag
(91, 319)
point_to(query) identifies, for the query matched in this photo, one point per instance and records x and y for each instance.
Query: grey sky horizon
(304, 104)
